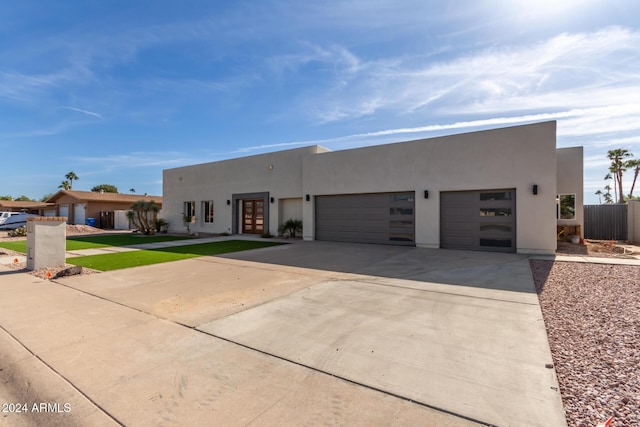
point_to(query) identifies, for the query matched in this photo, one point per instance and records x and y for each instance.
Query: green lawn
(117, 261)
(87, 242)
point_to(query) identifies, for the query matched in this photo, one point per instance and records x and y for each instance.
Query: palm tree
(65, 185)
(635, 164)
(133, 190)
(607, 195)
(71, 176)
(144, 216)
(618, 167)
(607, 178)
(599, 193)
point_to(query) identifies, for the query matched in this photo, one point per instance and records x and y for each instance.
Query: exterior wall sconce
(272, 200)
(228, 202)
(534, 189)
(426, 194)
(307, 197)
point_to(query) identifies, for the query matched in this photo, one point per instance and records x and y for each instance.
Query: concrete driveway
(309, 333)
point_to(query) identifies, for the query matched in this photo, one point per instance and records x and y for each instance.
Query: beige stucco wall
(290, 208)
(46, 242)
(279, 174)
(570, 178)
(515, 157)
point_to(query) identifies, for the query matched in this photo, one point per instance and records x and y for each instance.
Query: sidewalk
(588, 259)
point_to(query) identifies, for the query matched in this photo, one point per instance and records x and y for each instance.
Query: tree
(105, 188)
(617, 168)
(46, 197)
(71, 176)
(599, 193)
(144, 215)
(6, 198)
(607, 195)
(65, 185)
(186, 220)
(607, 178)
(132, 190)
(635, 165)
(23, 198)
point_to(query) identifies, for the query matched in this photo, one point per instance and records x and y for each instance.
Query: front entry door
(253, 216)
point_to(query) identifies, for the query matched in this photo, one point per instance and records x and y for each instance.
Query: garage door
(478, 220)
(64, 211)
(79, 214)
(382, 218)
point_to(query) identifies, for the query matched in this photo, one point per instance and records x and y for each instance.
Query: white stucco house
(493, 190)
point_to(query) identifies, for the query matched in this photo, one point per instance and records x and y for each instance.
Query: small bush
(18, 232)
(291, 226)
(267, 235)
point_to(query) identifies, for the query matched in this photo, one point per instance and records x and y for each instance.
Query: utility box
(46, 242)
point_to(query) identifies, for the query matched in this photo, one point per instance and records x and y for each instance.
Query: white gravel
(592, 316)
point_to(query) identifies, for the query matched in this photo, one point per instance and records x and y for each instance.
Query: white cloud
(567, 71)
(79, 110)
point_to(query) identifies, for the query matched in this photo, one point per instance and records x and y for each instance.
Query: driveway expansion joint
(63, 378)
(379, 390)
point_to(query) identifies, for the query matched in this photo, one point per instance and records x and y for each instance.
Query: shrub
(161, 225)
(18, 232)
(291, 226)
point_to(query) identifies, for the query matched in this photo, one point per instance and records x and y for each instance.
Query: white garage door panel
(79, 214)
(64, 211)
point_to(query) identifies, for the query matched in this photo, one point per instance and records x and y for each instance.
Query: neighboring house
(21, 206)
(108, 209)
(494, 190)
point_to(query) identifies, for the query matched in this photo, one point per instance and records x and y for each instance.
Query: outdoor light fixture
(307, 197)
(273, 200)
(228, 202)
(535, 189)
(426, 194)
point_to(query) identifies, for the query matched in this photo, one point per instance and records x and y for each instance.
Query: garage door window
(495, 211)
(496, 243)
(502, 195)
(401, 217)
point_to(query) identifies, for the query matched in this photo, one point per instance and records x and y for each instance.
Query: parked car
(6, 215)
(15, 221)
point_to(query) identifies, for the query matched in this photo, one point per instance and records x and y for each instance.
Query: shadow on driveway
(499, 271)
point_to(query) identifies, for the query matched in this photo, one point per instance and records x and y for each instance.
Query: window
(189, 209)
(567, 206)
(207, 211)
(495, 211)
(503, 195)
(403, 197)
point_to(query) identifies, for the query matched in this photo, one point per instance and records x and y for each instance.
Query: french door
(253, 216)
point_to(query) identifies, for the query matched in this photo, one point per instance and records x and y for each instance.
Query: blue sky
(117, 91)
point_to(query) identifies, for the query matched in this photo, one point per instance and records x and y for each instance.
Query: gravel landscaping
(592, 316)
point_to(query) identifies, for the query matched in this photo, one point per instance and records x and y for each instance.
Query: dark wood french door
(253, 216)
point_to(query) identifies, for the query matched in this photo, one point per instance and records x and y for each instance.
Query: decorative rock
(69, 271)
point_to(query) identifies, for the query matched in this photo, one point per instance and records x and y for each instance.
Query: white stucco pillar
(46, 242)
